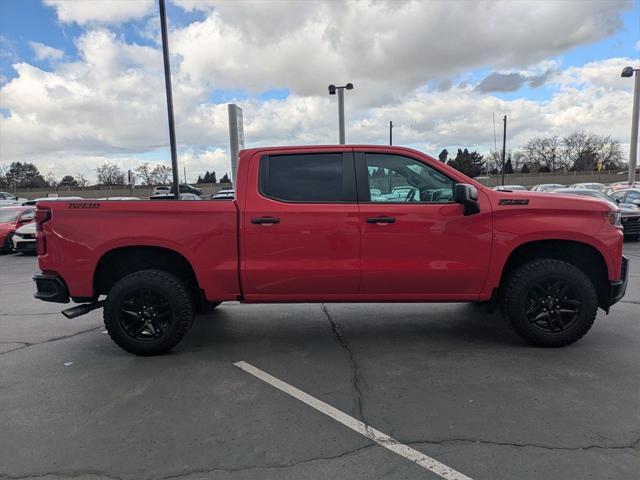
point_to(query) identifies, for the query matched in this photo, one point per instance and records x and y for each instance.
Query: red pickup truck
(334, 224)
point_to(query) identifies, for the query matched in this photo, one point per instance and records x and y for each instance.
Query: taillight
(42, 216)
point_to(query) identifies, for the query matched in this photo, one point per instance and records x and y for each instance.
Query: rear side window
(317, 177)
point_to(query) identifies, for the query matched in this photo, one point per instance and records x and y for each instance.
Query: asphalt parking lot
(447, 380)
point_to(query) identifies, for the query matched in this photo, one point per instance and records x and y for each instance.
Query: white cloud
(110, 104)
(637, 45)
(386, 48)
(83, 12)
(46, 52)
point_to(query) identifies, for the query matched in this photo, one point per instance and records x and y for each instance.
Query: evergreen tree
(469, 163)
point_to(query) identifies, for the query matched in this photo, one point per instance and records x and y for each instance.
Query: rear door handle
(265, 220)
(381, 220)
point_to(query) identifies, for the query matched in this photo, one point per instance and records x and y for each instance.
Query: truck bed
(205, 233)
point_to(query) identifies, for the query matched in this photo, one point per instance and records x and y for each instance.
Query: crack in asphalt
(196, 471)
(633, 445)
(356, 376)
(49, 340)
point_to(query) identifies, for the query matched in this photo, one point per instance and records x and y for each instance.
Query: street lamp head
(627, 72)
(349, 86)
(332, 89)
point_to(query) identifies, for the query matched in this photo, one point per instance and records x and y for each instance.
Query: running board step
(83, 309)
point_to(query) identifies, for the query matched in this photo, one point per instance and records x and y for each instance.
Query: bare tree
(3, 176)
(145, 173)
(110, 174)
(544, 152)
(81, 180)
(52, 180)
(160, 174)
(585, 150)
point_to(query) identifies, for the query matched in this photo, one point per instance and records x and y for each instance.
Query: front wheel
(8, 244)
(549, 303)
(148, 312)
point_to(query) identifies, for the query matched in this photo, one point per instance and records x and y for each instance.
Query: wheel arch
(122, 261)
(584, 256)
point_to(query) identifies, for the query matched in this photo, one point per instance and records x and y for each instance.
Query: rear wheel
(549, 303)
(148, 312)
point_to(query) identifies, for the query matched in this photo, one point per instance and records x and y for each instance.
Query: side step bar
(83, 309)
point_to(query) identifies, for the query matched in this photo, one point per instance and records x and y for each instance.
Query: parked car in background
(7, 199)
(189, 196)
(600, 187)
(50, 199)
(11, 218)
(614, 187)
(24, 240)
(546, 187)
(630, 211)
(184, 188)
(183, 196)
(224, 194)
(628, 195)
(510, 188)
(161, 190)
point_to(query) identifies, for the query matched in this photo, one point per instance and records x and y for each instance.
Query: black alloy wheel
(554, 306)
(145, 315)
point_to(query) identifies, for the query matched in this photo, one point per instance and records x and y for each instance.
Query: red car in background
(12, 218)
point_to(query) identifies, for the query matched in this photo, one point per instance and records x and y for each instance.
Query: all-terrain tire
(163, 287)
(522, 288)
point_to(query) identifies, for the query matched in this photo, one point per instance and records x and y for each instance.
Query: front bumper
(25, 246)
(50, 288)
(631, 225)
(618, 288)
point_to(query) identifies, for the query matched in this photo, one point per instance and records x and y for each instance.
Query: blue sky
(276, 60)
(24, 21)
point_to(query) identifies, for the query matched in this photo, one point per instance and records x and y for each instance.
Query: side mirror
(466, 195)
(637, 202)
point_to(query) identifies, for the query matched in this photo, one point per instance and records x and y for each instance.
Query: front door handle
(265, 220)
(381, 220)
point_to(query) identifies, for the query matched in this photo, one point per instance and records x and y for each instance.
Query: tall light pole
(340, 90)
(167, 84)
(633, 148)
(504, 146)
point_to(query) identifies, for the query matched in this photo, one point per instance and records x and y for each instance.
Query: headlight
(615, 218)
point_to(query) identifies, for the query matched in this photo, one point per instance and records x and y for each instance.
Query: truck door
(416, 242)
(300, 227)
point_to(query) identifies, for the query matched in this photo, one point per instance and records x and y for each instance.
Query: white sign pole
(236, 137)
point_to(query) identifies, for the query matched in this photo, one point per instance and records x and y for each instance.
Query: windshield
(9, 215)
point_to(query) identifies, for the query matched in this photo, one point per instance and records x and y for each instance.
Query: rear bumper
(618, 288)
(50, 288)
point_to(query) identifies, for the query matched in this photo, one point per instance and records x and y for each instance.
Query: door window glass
(398, 179)
(314, 177)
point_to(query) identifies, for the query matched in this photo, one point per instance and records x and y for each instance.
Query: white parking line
(377, 436)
